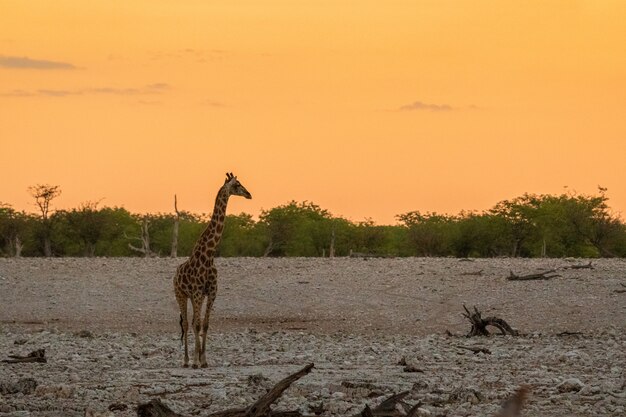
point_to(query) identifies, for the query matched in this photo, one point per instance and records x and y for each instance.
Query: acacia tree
(43, 195)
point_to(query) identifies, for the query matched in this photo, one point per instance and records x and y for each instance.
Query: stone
(570, 385)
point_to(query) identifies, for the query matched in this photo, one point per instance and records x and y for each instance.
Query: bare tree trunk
(18, 246)
(543, 248)
(331, 252)
(47, 247)
(174, 252)
(268, 249)
(145, 240)
(91, 250)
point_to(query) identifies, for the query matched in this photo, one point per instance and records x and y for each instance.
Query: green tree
(297, 229)
(430, 234)
(87, 224)
(16, 230)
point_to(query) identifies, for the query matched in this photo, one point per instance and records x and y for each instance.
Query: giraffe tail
(182, 330)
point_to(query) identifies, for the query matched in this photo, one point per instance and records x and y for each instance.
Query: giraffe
(196, 278)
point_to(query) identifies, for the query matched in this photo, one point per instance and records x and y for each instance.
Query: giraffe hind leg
(196, 322)
(184, 325)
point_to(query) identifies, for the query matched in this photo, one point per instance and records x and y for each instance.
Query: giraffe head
(235, 187)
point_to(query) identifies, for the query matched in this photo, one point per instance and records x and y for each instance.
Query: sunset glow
(369, 109)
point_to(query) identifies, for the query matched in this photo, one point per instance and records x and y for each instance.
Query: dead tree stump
(479, 324)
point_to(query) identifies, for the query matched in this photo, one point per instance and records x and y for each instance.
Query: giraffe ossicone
(196, 278)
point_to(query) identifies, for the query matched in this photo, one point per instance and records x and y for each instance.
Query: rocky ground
(109, 327)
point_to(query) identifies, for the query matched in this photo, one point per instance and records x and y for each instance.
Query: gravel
(109, 327)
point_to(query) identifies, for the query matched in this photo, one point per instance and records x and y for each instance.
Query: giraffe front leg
(205, 329)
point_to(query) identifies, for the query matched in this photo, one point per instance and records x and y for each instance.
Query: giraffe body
(196, 278)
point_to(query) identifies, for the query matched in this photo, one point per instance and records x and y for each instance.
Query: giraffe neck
(210, 238)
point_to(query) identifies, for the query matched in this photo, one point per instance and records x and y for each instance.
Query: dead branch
(38, 355)
(476, 273)
(540, 275)
(260, 408)
(475, 349)
(393, 406)
(568, 333)
(144, 239)
(581, 266)
(479, 325)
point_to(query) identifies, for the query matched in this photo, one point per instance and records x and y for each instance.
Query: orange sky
(369, 109)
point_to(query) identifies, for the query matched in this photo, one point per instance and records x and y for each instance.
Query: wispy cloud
(197, 55)
(212, 103)
(150, 89)
(420, 105)
(24, 62)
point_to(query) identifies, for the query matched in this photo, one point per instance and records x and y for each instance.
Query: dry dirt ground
(354, 318)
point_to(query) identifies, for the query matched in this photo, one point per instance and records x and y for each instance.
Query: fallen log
(568, 333)
(260, 408)
(540, 276)
(475, 273)
(38, 355)
(580, 266)
(479, 324)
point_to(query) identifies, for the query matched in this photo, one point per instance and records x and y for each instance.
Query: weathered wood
(479, 324)
(38, 355)
(393, 406)
(568, 333)
(174, 251)
(581, 266)
(144, 239)
(261, 407)
(475, 273)
(538, 276)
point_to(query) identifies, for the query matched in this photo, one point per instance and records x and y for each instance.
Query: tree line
(531, 225)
